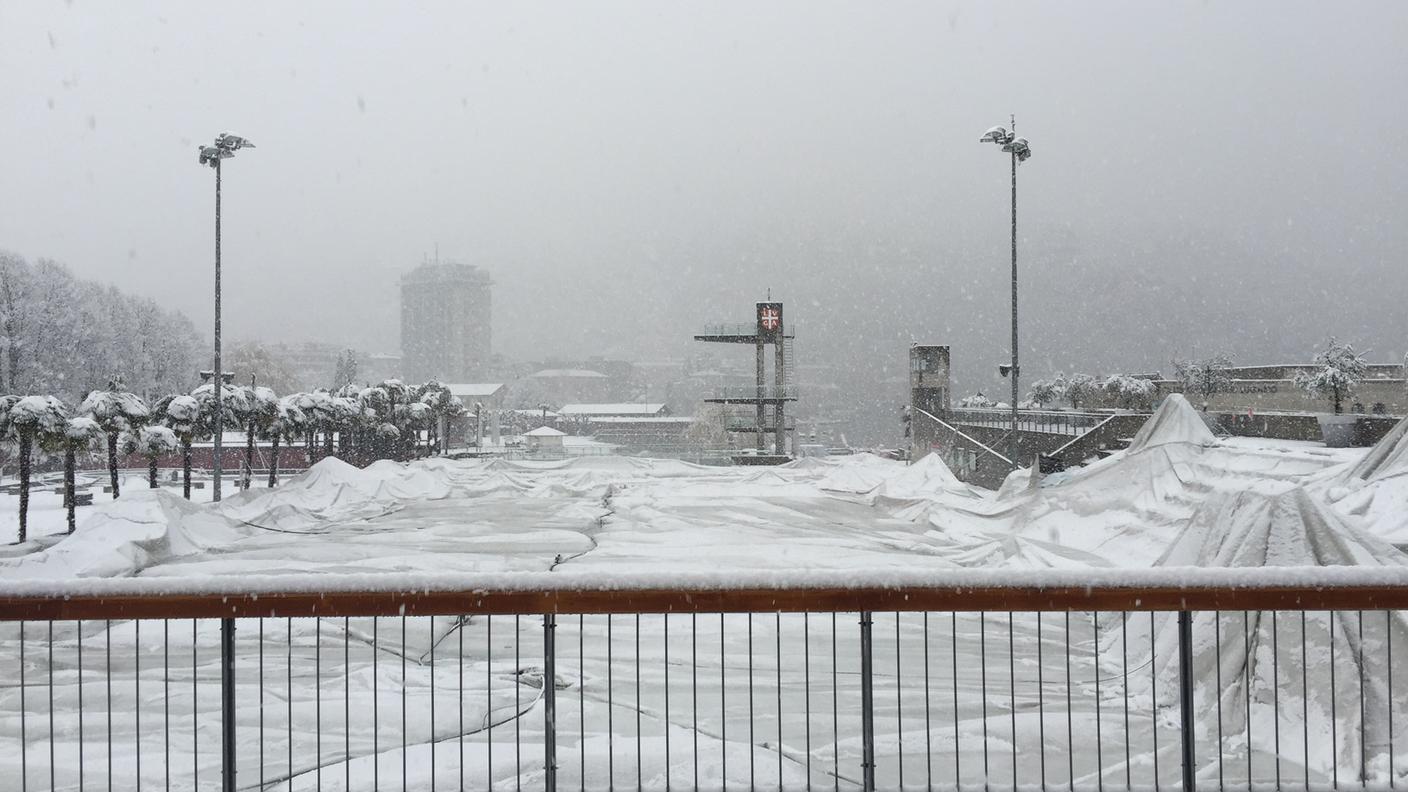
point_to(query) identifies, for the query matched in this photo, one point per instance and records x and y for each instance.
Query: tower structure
(445, 322)
(769, 397)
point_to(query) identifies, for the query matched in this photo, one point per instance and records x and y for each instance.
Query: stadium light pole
(224, 147)
(1020, 151)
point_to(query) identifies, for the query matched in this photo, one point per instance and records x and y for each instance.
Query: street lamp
(225, 147)
(1020, 151)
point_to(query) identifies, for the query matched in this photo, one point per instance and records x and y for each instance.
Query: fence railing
(1128, 680)
(1049, 421)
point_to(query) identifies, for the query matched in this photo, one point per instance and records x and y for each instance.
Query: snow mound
(332, 490)
(1175, 422)
(121, 537)
(928, 476)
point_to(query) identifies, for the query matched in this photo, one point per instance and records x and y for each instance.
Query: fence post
(1185, 696)
(867, 706)
(227, 704)
(549, 702)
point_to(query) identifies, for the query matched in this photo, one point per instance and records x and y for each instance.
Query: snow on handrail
(1166, 588)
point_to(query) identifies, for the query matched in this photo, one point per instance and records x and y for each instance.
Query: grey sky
(1205, 174)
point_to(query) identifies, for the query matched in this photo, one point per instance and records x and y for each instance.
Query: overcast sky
(1206, 175)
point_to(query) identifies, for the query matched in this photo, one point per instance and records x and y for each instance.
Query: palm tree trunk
(248, 454)
(274, 462)
(310, 440)
(151, 472)
(26, 442)
(186, 467)
(327, 443)
(70, 496)
(112, 462)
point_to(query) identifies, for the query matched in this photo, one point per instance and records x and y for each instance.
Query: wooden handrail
(703, 599)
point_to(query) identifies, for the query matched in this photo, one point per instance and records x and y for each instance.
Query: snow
(1179, 509)
(545, 431)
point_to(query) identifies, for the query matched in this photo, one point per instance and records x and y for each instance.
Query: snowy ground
(1176, 498)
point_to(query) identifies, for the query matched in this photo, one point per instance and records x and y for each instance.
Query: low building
(610, 409)
(567, 385)
(545, 438)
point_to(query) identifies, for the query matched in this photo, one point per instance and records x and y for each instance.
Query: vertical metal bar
(79, 639)
(549, 703)
(640, 771)
(867, 706)
(957, 763)
(1217, 651)
(928, 724)
(227, 700)
(723, 710)
(1363, 723)
(347, 703)
(1012, 684)
(610, 712)
(1388, 639)
(53, 764)
(666, 618)
(317, 704)
(260, 650)
(24, 736)
(1070, 726)
(899, 706)
(431, 738)
(777, 635)
(807, 692)
(1305, 703)
(376, 712)
(195, 705)
(983, 688)
(1099, 702)
(107, 657)
(694, 690)
(1040, 702)
(752, 774)
(1124, 670)
(1247, 673)
(1276, 695)
(459, 631)
(1185, 698)
(289, 668)
(405, 649)
(1334, 725)
(835, 713)
(582, 699)
(1154, 696)
(489, 700)
(165, 696)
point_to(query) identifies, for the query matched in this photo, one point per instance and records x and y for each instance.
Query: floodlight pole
(217, 381)
(1012, 442)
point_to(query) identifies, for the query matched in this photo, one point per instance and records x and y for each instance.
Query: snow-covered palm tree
(29, 419)
(151, 442)
(287, 422)
(260, 407)
(182, 415)
(116, 411)
(69, 437)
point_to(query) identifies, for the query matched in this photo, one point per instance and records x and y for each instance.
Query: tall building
(445, 322)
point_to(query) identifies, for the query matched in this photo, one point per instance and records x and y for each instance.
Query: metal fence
(1008, 686)
(1047, 421)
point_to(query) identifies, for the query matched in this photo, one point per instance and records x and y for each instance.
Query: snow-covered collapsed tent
(1375, 490)
(1295, 694)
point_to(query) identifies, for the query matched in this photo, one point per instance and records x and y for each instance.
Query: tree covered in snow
(1130, 393)
(65, 336)
(1046, 391)
(182, 415)
(345, 372)
(260, 407)
(1335, 373)
(71, 437)
(1205, 377)
(152, 443)
(1080, 389)
(116, 410)
(28, 420)
(975, 401)
(287, 422)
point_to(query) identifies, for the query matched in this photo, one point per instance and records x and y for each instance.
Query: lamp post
(1020, 151)
(224, 147)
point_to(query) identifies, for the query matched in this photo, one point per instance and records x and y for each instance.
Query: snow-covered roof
(620, 408)
(474, 389)
(545, 431)
(581, 373)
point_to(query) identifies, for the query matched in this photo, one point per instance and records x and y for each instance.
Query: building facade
(445, 322)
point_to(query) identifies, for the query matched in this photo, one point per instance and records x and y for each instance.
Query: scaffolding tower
(768, 400)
